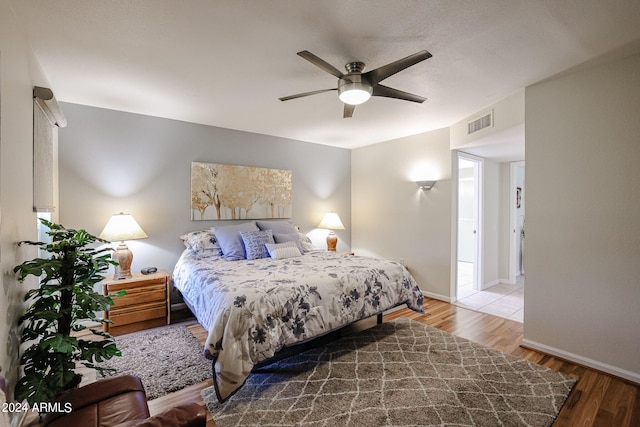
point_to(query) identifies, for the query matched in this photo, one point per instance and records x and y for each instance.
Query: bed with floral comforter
(252, 309)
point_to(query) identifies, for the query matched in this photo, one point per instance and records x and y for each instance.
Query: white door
(469, 221)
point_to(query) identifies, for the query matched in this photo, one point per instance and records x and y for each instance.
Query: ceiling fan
(356, 87)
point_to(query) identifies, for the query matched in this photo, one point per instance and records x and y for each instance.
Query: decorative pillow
(254, 243)
(200, 240)
(288, 237)
(283, 250)
(278, 227)
(302, 241)
(305, 242)
(229, 239)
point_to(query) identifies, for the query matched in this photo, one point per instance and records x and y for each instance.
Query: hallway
(503, 300)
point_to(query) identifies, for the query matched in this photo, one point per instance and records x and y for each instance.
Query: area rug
(396, 374)
(166, 359)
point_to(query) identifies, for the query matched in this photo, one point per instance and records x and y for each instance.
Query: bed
(253, 308)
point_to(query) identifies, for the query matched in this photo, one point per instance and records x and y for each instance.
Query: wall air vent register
(483, 122)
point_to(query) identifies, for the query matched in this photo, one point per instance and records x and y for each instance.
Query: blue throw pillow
(255, 243)
(229, 239)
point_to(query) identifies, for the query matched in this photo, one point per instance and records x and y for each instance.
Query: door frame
(478, 189)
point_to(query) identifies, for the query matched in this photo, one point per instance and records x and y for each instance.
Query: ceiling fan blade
(381, 73)
(320, 63)
(348, 111)
(389, 92)
(300, 95)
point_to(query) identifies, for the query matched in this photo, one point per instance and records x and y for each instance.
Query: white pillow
(283, 250)
(200, 240)
(306, 243)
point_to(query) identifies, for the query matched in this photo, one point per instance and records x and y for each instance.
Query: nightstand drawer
(141, 295)
(138, 313)
(137, 281)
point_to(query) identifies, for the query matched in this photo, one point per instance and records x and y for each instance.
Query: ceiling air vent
(483, 122)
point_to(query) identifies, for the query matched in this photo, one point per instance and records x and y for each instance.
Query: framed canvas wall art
(230, 192)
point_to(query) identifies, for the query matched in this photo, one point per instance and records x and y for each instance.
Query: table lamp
(331, 221)
(122, 227)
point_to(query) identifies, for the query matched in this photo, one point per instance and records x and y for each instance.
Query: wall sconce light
(426, 185)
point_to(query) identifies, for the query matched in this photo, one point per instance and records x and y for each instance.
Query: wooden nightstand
(146, 304)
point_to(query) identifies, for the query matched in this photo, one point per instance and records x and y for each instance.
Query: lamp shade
(122, 227)
(331, 221)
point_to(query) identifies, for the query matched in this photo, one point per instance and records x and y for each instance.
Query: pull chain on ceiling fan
(356, 87)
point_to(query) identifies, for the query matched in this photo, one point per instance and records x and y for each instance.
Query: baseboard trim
(488, 285)
(436, 296)
(585, 361)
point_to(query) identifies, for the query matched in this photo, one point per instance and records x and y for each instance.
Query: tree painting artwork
(228, 192)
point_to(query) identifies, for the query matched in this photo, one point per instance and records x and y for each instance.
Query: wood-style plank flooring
(597, 399)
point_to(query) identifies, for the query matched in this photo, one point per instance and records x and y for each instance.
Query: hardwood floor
(597, 399)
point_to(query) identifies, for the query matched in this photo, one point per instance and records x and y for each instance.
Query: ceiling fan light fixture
(353, 91)
(356, 87)
(356, 95)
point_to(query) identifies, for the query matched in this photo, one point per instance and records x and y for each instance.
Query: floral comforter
(252, 309)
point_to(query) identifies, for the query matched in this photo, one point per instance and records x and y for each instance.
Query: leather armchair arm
(99, 391)
(187, 415)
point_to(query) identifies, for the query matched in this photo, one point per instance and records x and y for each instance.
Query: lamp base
(123, 256)
(332, 241)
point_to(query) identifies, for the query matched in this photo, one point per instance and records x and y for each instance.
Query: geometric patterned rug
(396, 374)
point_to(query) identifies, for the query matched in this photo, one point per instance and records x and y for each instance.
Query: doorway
(469, 254)
(482, 282)
(517, 228)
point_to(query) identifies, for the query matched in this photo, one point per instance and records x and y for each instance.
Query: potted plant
(64, 299)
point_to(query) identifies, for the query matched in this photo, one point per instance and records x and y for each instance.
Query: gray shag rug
(166, 359)
(398, 373)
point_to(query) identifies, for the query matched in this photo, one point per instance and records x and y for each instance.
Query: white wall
(492, 221)
(112, 161)
(505, 230)
(583, 229)
(19, 72)
(508, 117)
(393, 218)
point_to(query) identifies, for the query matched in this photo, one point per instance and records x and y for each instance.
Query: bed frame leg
(379, 319)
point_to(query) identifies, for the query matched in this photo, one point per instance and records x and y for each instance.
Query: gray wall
(112, 161)
(583, 233)
(393, 218)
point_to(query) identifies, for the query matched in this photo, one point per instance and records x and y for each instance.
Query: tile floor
(504, 300)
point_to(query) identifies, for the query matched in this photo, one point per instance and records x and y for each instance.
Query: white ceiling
(226, 62)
